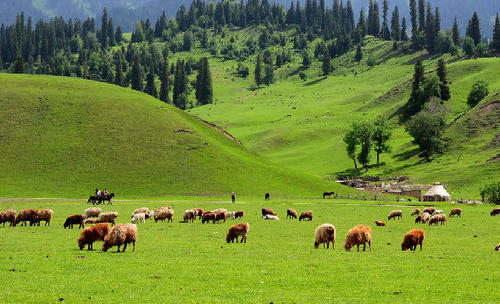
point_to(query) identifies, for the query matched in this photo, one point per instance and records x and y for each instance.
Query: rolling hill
(63, 137)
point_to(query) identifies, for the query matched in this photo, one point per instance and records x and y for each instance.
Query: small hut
(437, 193)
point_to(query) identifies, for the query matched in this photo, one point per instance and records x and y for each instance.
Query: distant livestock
(239, 214)
(395, 214)
(138, 218)
(189, 215)
(220, 210)
(429, 210)
(71, 220)
(306, 215)
(268, 211)
(9, 216)
(221, 216)
(415, 211)
(92, 212)
(413, 238)
(122, 234)
(325, 234)
(328, 194)
(236, 231)
(438, 218)
(230, 214)
(107, 217)
(497, 247)
(291, 213)
(44, 215)
(26, 215)
(163, 213)
(271, 217)
(495, 211)
(144, 210)
(199, 212)
(359, 235)
(267, 196)
(90, 221)
(438, 212)
(207, 217)
(91, 234)
(379, 223)
(423, 218)
(455, 211)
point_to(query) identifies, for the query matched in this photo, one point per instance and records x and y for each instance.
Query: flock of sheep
(124, 234)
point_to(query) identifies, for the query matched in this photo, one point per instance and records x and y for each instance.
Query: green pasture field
(191, 262)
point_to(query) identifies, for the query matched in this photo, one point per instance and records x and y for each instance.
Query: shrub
(371, 61)
(303, 76)
(478, 92)
(491, 193)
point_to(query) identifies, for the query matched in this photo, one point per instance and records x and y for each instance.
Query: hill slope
(64, 137)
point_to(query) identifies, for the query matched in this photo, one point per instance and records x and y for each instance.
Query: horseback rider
(98, 192)
(106, 191)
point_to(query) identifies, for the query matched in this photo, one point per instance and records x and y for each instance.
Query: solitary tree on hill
(380, 137)
(180, 85)
(204, 91)
(164, 77)
(326, 67)
(258, 71)
(444, 88)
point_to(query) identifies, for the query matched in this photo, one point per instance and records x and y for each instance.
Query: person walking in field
(233, 197)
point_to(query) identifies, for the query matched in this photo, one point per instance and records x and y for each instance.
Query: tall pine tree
(414, 22)
(444, 88)
(258, 71)
(474, 29)
(150, 84)
(164, 77)
(396, 29)
(204, 91)
(137, 74)
(496, 35)
(180, 85)
(326, 67)
(455, 32)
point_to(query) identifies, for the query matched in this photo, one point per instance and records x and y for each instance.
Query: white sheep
(92, 212)
(437, 212)
(138, 218)
(271, 217)
(220, 210)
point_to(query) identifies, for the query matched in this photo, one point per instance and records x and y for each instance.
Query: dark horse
(100, 199)
(328, 194)
(267, 196)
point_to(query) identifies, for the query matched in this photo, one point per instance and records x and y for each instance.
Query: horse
(108, 198)
(92, 199)
(328, 194)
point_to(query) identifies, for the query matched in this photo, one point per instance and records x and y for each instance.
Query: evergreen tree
(269, 74)
(395, 27)
(164, 77)
(306, 59)
(444, 88)
(455, 32)
(119, 78)
(415, 102)
(258, 72)
(359, 54)
(430, 32)
(437, 22)
(421, 15)
(18, 65)
(326, 67)
(404, 30)
(204, 91)
(150, 84)
(496, 36)
(474, 29)
(386, 34)
(373, 18)
(414, 24)
(103, 38)
(180, 85)
(137, 74)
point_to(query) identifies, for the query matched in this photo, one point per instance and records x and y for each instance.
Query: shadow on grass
(295, 72)
(407, 154)
(316, 81)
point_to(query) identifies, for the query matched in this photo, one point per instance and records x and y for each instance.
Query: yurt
(437, 193)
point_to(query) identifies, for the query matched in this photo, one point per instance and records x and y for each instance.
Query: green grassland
(63, 137)
(301, 124)
(191, 263)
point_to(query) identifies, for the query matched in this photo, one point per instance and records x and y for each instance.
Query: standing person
(233, 197)
(106, 191)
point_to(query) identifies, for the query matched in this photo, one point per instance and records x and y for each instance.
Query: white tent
(437, 193)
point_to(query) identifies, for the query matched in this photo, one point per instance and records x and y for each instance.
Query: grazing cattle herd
(124, 234)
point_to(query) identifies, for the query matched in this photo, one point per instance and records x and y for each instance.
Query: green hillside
(301, 124)
(62, 137)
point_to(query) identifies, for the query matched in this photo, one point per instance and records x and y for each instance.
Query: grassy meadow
(191, 263)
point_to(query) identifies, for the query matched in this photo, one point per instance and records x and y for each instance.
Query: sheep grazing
(221, 216)
(422, 218)
(267, 211)
(230, 214)
(144, 210)
(90, 221)
(44, 215)
(359, 235)
(437, 212)
(92, 212)
(455, 211)
(495, 211)
(291, 213)
(199, 212)
(497, 248)
(429, 210)
(438, 218)
(26, 215)
(162, 214)
(395, 214)
(121, 234)
(73, 220)
(324, 234)
(8, 215)
(107, 217)
(189, 215)
(413, 238)
(415, 211)
(220, 210)
(207, 217)
(238, 230)
(238, 215)
(271, 217)
(91, 234)
(138, 218)
(379, 223)
(306, 215)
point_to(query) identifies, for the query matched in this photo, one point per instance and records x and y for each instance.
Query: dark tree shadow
(407, 154)
(316, 81)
